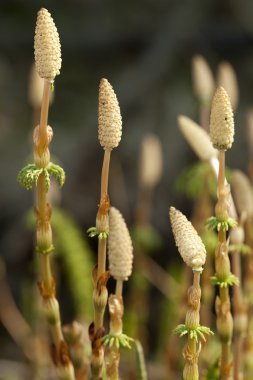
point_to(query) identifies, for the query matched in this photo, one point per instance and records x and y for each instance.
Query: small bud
(227, 79)
(221, 121)
(197, 138)
(242, 193)
(47, 48)
(150, 161)
(203, 81)
(109, 117)
(120, 248)
(189, 244)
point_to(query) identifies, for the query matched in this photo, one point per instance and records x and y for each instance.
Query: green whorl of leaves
(29, 175)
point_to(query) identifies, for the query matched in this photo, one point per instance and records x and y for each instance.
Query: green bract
(196, 333)
(93, 231)
(224, 282)
(217, 224)
(121, 340)
(29, 175)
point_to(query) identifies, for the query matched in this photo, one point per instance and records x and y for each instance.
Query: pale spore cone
(197, 138)
(203, 81)
(221, 121)
(120, 248)
(226, 78)
(47, 47)
(188, 242)
(109, 117)
(151, 162)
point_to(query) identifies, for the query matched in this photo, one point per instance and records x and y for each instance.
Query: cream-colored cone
(188, 242)
(109, 117)
(120, 248)
(221, 121)
(226, 77)
(47, 47)
(151, 162)
(197, 138)
(203, 81)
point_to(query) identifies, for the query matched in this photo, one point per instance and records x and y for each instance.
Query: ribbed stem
(105, 173)
(222, 266)
(100, 294)
(119, 288)
(191, 350)
(44, 246)
(44, 116)
(116, 310)
(46, 272)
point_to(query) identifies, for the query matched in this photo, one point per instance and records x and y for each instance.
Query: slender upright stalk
(109, 130)
(193, 252)
(42, 139)
(120, 252)
(222, 266)
(48, 63)
(222, 136)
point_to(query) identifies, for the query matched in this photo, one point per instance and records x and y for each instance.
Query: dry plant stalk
(48, 63)
(120, 253)
(109, 134)
(192, 251)
(222, 135)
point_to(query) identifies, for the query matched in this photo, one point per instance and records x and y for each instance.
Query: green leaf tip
(29, 175)
(196, 333)
(118, 341)
(93, 231)
(224, 282)
(217, 224)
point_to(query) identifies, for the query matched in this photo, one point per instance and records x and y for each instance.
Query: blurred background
(145, 49)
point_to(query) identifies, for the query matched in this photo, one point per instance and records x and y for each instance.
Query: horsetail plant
(193, 252)
(48, 63)
(222, 136)
(109, 134)
(120, 254)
